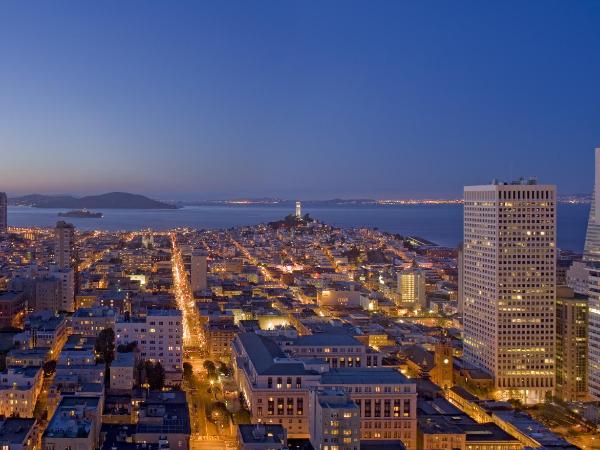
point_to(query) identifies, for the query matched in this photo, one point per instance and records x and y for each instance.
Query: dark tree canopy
(105, 345)
(155, 375)
(209, 366)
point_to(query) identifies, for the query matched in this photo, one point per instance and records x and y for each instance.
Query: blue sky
(296, 99)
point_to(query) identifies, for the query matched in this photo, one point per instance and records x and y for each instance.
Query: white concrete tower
(509, 283)
(298, 210)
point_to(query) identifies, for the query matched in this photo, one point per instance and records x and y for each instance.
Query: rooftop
(164, 312)
(261, 433)
(123, 359)
(11, 296)
(532, 428)
(325, 339)
(370, 376)
(68, 421)
(267, 358)
(14, 430)
(94, 312)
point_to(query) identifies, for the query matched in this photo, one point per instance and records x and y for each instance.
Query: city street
(205, 434)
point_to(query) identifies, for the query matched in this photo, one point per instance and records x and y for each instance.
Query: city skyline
(338, 225)
(209, 101)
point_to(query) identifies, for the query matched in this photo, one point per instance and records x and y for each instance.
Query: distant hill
(116, 200)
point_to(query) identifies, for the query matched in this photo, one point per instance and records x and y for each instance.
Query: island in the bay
(111, 200)
(82, 214)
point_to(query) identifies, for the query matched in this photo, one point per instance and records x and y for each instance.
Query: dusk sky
(297, 99)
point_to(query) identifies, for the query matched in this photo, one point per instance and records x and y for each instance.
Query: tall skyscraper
(198, 271)
(591, 258)
(461, 275)
(64, 235)
(509, 266)
(298, 210)
(3, 212)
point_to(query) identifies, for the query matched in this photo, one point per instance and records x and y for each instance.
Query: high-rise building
(510, 286)
(571, 345)
(3, 212)
(298, 210)
(591, 258)
(64, 244)
(198, 271)
(411, 287)
(461, 275)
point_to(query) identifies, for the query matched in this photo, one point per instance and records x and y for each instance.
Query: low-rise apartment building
(19, 390)
(159, 338)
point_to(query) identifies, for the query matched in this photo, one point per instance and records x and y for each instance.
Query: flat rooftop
(14, 430)
(164, 312)
(327, 339)
(265, 433)
(94, 312)
(123, 360)
(10, 296)
(65, 425)
(367, 376)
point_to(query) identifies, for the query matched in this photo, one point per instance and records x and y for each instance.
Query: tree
(243, 416)
(218, 411)
(187, 369)
(224, 369)
(155, 375)
(49, 367)
(105, 345)
(210, 367)
(140, 372)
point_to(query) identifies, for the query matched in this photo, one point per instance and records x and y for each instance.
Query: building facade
(159, 337)
(64, 244)
(91, 321)
(411, 287)
(65, 277)
(571, 345)
(460, 270)
(12, 308)
(199, 268)
(19, 390)
(591, 258)
(277, 389)
(509, 286)
(335, 420)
